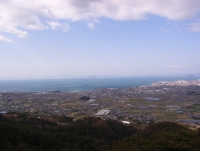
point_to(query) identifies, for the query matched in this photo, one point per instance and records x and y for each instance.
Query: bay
(81, 84)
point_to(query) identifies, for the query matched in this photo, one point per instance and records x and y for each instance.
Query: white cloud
(65, 27)
(2, 38)
(19, 16)
(56, 25)
(194, 27)
(91, 23)
(164, 30)
(174, 66)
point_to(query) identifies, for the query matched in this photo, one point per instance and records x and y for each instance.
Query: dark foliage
(94, 134)
(166, 136)
(64, 119)
(84, 98)
(89, 134)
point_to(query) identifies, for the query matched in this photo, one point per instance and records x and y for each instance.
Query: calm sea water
(82, 84)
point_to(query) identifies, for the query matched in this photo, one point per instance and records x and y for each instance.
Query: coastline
(83, 84)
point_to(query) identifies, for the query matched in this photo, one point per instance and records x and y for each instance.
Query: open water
(82, 84)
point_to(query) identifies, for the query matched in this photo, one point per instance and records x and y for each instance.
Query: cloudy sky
(82, 38)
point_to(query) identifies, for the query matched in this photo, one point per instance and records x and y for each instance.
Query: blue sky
(76, 38)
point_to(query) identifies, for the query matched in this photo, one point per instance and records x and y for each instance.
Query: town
(177, 101)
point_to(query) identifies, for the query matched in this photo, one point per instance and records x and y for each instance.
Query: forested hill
(94, 134)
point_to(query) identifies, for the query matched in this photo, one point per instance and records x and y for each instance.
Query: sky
(101, 38)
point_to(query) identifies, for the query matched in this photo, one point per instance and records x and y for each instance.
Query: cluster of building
(110, 103)
(177, 83)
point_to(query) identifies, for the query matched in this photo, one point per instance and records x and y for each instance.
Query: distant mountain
(194, 74)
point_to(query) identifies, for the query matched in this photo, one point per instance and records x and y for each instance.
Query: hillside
(93, 134)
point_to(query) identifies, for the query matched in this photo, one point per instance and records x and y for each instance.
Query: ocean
(79, 84)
